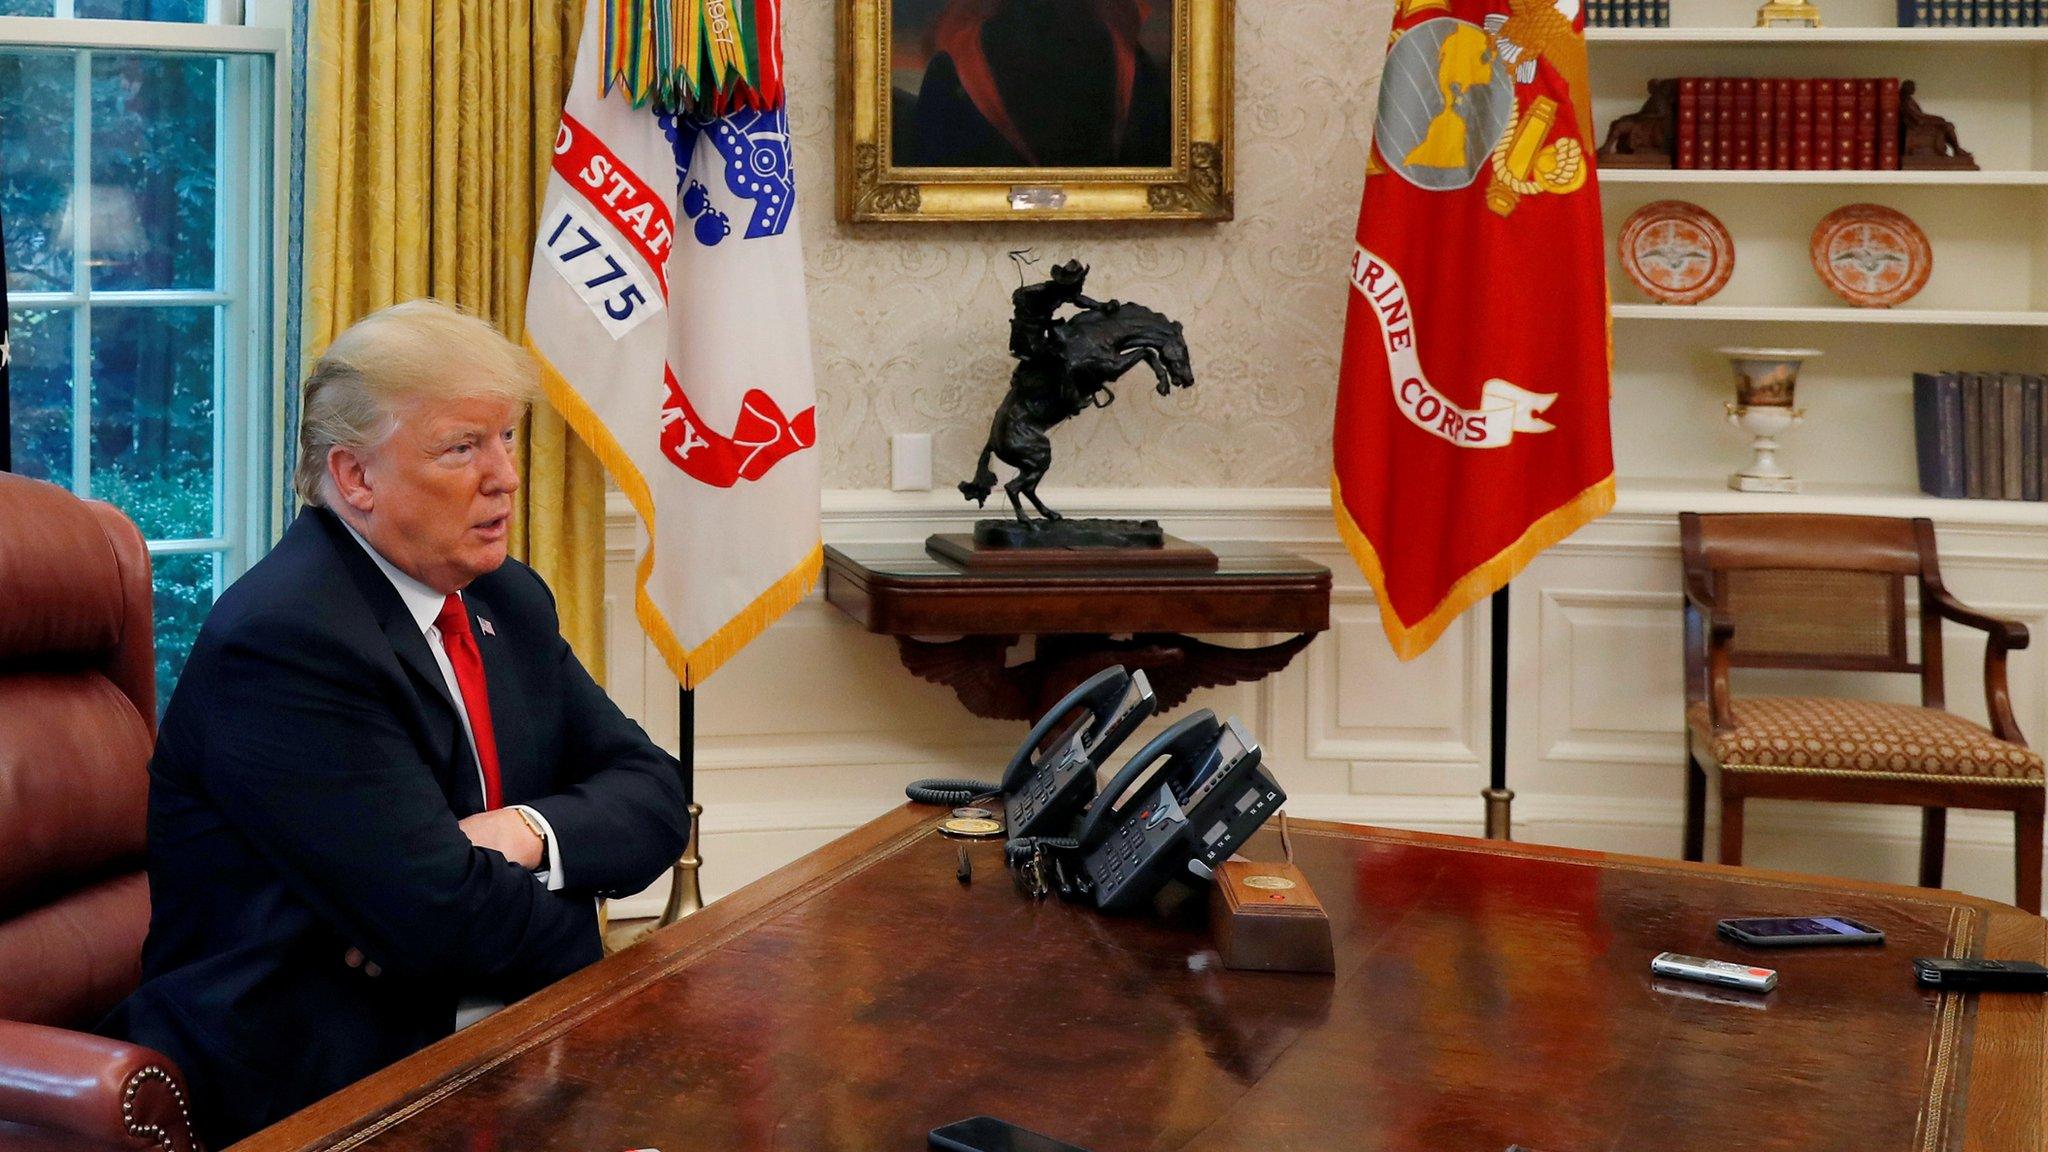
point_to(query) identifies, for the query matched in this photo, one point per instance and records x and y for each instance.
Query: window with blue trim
(137, 193)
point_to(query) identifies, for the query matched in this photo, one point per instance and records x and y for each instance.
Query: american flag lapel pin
(486, 626)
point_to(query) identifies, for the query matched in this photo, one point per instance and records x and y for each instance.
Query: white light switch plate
(910, 462)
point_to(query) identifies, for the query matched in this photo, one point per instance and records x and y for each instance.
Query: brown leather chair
(77, 719)
(1829, 592)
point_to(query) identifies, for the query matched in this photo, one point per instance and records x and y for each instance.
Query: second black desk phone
(1204, 794)
(1051, 779)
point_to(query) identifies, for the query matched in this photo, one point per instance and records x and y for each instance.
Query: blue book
(1938, 433)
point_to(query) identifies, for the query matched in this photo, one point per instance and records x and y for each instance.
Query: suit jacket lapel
(454, 767)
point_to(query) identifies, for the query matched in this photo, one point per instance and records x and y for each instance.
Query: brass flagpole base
(685, 895)
(1498, 818)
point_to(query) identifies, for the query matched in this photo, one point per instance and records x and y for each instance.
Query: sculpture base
(1054, 549)
(1068, 534)
(1744, 482)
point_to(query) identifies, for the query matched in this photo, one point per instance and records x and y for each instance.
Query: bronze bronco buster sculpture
(1065, 367)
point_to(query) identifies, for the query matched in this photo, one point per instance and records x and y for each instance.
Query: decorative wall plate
(1871, 256)
(1676, 252)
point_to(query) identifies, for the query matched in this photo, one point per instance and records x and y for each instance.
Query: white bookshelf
(1682, 177)
(1668, 496)
(1985, 306)
(1807, 37)
(1838, 314)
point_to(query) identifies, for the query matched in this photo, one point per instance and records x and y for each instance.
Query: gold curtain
(431, 126)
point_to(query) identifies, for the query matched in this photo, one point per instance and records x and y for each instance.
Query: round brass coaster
(971, 828)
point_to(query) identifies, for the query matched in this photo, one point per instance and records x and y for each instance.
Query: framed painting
(1034, 109)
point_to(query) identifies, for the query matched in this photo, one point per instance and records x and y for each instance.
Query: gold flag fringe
(1410, 641)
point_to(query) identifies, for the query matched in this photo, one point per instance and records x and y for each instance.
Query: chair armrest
(2010, 635)
(1719, 625)
(104, 1090)
(2001, 637)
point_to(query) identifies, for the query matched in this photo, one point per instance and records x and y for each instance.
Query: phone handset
(1051, 776)
(1202, 801)
(1100, 693)
(1190, 735)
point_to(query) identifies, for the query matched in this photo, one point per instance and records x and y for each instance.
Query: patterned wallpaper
(909, 323)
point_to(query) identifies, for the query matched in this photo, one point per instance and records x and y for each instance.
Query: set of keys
(1037, 872)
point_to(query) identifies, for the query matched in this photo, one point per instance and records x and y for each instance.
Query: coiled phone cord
(949, 792)
(1019, 851)
(1031, 858)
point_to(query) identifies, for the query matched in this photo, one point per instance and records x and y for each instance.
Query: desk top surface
(1485, 994)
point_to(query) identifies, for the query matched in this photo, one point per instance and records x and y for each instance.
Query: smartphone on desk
(1798, 931)
(988, 1134)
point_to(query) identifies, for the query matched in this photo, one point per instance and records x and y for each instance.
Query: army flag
(1471, 427)
(667, 307)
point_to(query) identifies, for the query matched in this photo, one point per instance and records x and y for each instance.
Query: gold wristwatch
(540, 831)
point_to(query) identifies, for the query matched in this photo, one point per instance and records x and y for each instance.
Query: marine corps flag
(667, 307)
(1471, 428)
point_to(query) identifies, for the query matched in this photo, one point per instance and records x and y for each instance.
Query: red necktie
(476, 699)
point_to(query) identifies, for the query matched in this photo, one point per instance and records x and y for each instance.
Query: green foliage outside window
(150, 362)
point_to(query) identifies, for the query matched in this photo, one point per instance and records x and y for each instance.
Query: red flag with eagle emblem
(667, 307)
(1471, 427)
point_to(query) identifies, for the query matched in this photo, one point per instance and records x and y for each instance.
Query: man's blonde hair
(421, 349)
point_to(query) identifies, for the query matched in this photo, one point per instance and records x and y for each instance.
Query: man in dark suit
(385, 788)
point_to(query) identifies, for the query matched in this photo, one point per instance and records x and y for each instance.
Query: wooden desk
(1078, 618)
(1485, 994)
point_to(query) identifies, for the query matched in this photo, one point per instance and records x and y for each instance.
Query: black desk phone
(1049, 782)
(1203, 795)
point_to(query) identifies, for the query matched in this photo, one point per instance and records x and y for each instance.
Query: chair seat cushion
(1839, 736)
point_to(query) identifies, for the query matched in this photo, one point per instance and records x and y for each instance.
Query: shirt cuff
(552, 874)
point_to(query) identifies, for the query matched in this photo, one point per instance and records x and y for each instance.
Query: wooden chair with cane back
(1828, 592)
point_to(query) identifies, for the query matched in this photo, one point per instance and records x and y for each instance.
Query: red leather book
(1689, 120)
(1745, 124)
(1802, 124)
(1724, 125)
(1710, 122)
(1888, 123)
(1781, 125)
(1766, 121)
(1845, 124)
(1823, 124)
(1866, 124)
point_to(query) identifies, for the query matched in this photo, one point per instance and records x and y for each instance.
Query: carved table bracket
(978, 670)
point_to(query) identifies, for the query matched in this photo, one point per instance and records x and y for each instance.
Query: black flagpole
(686, 893)
(1498, 798)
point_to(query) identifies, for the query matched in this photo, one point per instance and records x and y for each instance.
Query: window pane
(37, 122)
(152, 417)
(184, 587)
(184, 11)
(40, 393)
(153, 171)
(28, 7)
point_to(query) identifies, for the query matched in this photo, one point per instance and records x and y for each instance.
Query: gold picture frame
(893, 163)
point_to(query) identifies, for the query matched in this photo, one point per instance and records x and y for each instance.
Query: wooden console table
(1486, 994)
(1083, 621)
